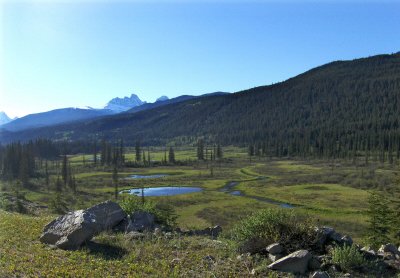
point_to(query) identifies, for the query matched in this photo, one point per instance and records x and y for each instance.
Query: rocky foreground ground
(77, 228)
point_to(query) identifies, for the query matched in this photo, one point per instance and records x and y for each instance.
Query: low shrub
(164, 213)
(347, 257)
(275, 225)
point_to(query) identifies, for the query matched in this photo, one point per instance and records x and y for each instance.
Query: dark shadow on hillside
(106, 251)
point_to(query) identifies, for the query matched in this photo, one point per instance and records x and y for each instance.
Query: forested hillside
(333, 110)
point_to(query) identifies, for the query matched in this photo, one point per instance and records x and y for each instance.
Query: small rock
(322, 235)
(314, 263)
(157, 231)
(388, 248)
(336, 237)
(346, 240)
(320, 274)
(175, 262)
(275, 257)
(387, 256)
(243, 256)
(347, 275)
(274, 249)
(334, 268)
(296, 262)
(368, 250)
(168, 235)
(209, 259)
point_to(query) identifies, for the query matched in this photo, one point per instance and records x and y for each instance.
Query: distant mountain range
(117, 105)
(343, 105)
(54, 117)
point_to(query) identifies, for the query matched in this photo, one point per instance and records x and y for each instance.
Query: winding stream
(230, 189)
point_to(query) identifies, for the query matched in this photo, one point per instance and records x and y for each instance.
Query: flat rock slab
(296, 262)
(71, 230)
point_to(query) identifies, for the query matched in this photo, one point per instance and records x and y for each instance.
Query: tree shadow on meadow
(105, 251)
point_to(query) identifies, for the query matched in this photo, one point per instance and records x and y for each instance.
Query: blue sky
(65, 54)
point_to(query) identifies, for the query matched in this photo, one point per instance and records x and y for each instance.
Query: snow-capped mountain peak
(4, 118)
(123, 104)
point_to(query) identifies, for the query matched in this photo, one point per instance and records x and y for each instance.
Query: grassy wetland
(332, 193)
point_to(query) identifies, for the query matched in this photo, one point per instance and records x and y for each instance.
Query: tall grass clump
(347, 257)
(163, 213)
(275, 225)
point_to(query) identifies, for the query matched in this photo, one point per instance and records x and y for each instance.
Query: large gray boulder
(296, 262)
(139, 221)
(71, 230)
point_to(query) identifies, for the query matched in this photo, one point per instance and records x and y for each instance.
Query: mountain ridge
(337, 103)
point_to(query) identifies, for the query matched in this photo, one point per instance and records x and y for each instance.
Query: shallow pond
(155, 176)
(162, 191)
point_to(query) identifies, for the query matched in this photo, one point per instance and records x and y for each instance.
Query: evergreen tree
(103, 153)
(219, 152)
(121, 153)
(137, 151)
(396, 222)
(95, 154)
(115, 181)
(58, 184)
(64, 169)
(200, 149)
(379, 221)
(46, 174)
(250, 151)
(24, 171)
(171, 155)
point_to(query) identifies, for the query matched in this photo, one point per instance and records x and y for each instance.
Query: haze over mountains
(70, 114)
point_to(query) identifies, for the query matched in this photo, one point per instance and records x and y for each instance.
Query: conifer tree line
(17, 160)
(205, 152)
(111, 154)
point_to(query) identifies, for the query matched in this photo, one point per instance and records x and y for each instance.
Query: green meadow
(332, 193)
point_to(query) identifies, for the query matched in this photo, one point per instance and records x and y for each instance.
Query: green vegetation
(164, 214)
(348, 257)
(275, 225)
(323, 192)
